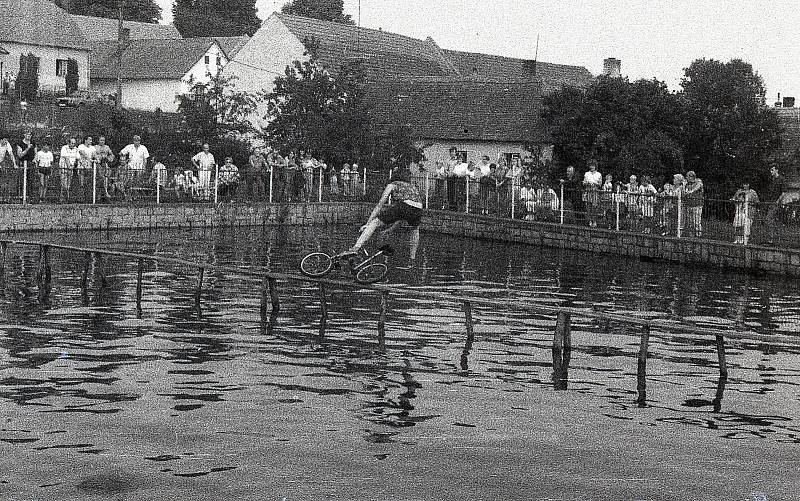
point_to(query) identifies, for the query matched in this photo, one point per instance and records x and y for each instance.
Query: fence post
(364, 181)
(216, 184)
(25, 182)
(616, 204)
(427, 190)
(158, 189)
(746, 222)
(466, 205)
(94, 182)
(271, 170)
(641, 369)
(561, 202)
(320, 184)
(680, 215)
(513, 197)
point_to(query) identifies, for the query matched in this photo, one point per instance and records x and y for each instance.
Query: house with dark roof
(96, 29)
(41, 28)
(156, 71)
(480, 103)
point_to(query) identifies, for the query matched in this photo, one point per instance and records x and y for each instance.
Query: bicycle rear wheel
(371, 273)
(316, 264)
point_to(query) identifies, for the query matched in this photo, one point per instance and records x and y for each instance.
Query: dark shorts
(400, 211)
(45, 171)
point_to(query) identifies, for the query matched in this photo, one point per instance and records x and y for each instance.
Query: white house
(41, 28)
(156, 71)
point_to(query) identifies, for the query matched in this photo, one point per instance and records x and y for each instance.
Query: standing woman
(44, 164)
(607, 201)
(67, 163)
(86, 151)
(592, 182)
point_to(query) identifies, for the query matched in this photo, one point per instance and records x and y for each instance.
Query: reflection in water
(72, 351)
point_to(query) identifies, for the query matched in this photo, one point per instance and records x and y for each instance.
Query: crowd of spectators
(76, 168)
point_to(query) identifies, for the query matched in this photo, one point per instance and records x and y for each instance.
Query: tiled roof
(232, 45)
(149, 59)
(102, 28)
(38, 22)
(552, 76)
(459, 109)
(384, 53)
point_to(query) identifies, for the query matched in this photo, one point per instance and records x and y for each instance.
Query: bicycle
(366, 271)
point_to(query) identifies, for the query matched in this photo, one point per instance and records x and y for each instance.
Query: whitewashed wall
(202, 72)
(143, 94)
(48, 80)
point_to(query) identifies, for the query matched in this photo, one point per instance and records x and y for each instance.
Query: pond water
(82, 375)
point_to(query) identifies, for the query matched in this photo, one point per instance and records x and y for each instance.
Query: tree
(71, 78)
(328, 115)
(215, 109)
(730, 130)
(215, 18)
(146, 11)
(327, 10)
(628, 127)
(27, 83)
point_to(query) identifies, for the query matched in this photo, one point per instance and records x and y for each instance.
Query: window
(207, 59)
(510, 156)
(61, 67)
(462, 154)
(219, 61)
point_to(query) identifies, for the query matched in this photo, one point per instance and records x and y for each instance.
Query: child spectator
(44, 165)
(228, 179)
(181, 184)
(345, 179)
(334, 180)
(746, 200)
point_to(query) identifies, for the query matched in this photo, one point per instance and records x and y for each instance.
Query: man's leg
(369, 229)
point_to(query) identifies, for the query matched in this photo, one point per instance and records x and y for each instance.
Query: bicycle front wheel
(371, 273)
(316, 264)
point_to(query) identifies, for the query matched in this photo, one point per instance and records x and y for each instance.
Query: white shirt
(205, 160)
(43, 159)
(593, 178)
(461, 170)
(69, 156)
(485, 170)
(86, 154)
(137, 157)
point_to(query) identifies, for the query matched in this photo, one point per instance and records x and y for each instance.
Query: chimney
(788, 102)
(612, 67)
(778, 103)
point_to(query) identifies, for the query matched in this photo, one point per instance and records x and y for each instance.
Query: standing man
(26, 153)
(694, 196)
(204, 162)
(572, 193)
(137, 155)
(774, 196)
(67, 163)
(86, 150)
(253, 175)
(104, 158)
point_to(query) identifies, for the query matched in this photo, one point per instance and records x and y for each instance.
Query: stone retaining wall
(684, 250)
(17, 218)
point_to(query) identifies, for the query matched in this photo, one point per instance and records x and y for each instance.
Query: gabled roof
(160, 59)
(553, 76)
(39, 22)
(102, 28)
(459, 109)
(232, 45)
(383, 53)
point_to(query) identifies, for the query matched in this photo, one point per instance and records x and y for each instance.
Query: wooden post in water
(382, 316)
(273, 293)
(199, 288)
(470, 336)
(723, 364)
(323, 305)
(641, 368)
(86, 265)
(562, 344)
(264, 293)
(100, 268)
(139, 273)
(3, 252)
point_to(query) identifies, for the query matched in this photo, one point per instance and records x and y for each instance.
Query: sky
(653, 38)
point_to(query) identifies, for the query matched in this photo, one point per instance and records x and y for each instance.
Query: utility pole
(536, 56)
(120, 34)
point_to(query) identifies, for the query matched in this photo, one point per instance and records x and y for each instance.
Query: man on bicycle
(405, 205)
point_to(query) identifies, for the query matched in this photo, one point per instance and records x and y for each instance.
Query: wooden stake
(723, 364)
(86, 265)
(139, 272)
(641, 369)
(469, 324)
(382, 316)
(273, 292)
(100, 268)
(323, 305)
(199, 286)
